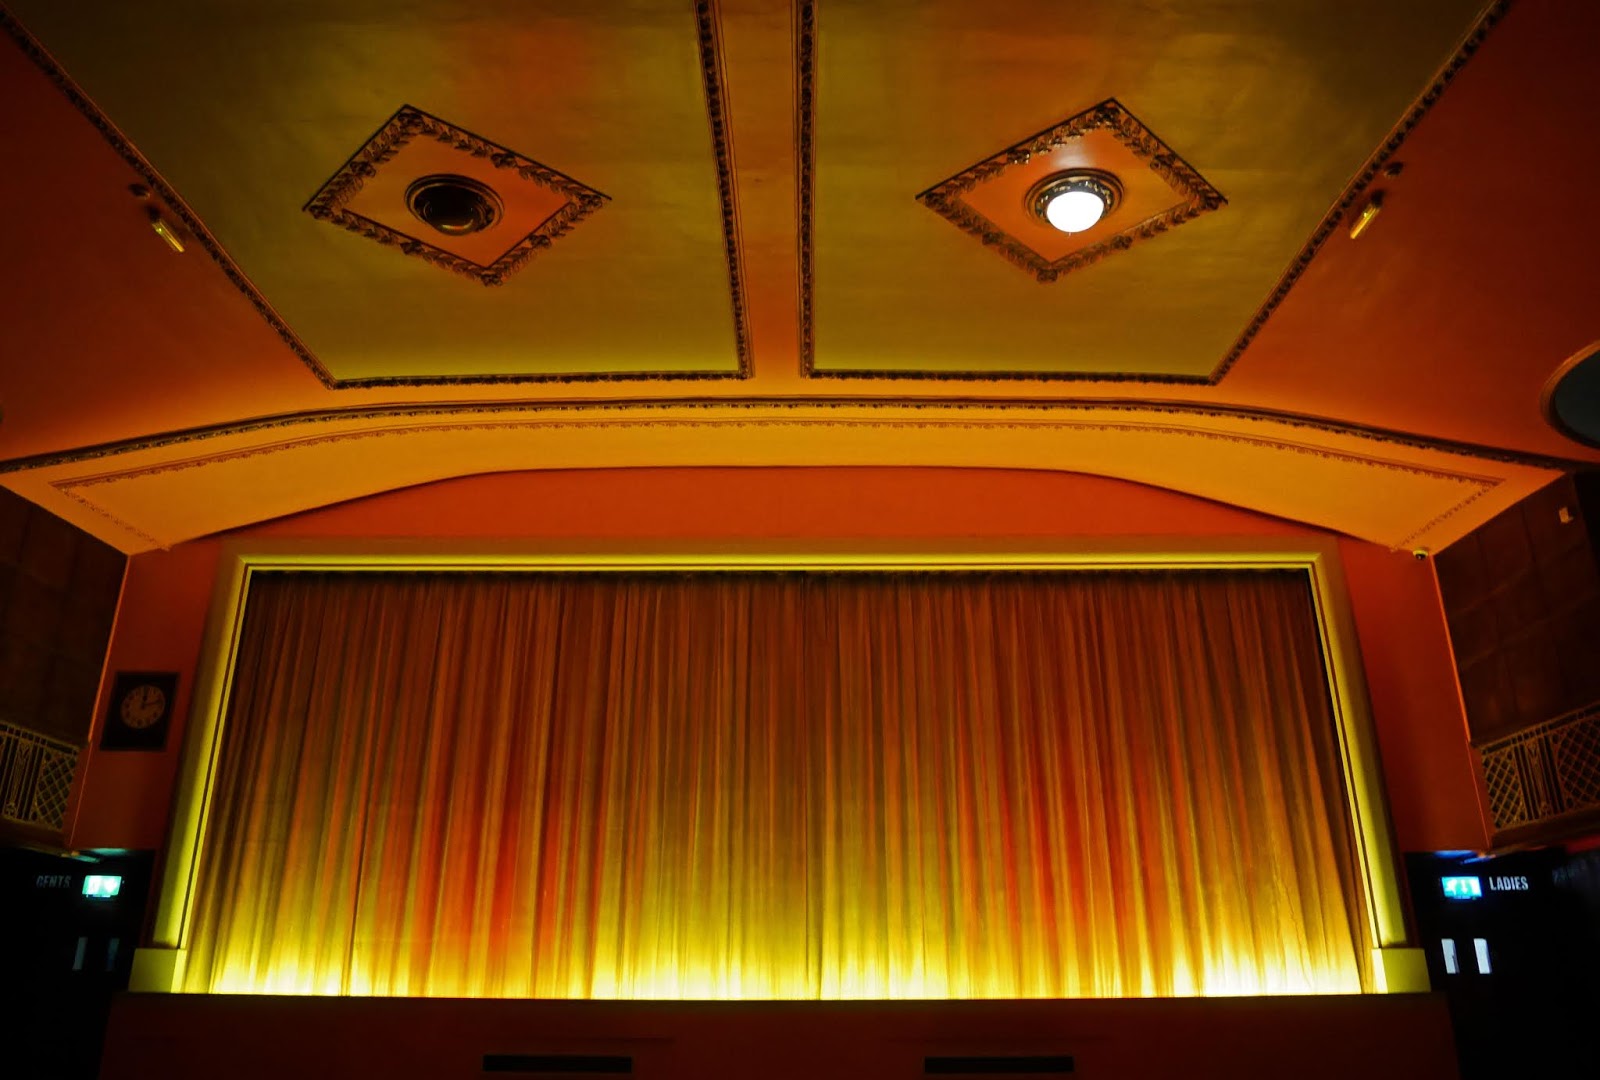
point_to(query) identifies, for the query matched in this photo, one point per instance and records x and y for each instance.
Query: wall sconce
(158, 221)
(1368, 213)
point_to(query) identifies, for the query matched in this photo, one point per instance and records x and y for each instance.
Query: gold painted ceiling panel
(1277, 105)
(247, 109)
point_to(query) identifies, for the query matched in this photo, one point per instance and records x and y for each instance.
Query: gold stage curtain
(766, 785)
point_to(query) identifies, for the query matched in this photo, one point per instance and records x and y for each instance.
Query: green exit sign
(102, 886)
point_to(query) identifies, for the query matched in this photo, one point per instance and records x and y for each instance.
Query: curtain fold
(768, 785)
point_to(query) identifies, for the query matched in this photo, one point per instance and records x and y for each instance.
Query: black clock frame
(116, 734)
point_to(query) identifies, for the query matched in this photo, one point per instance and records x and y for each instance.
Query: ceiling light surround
(1075, 201)
(488, 209)
(1156, 190)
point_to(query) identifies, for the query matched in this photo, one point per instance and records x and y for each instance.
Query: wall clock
(140, 710)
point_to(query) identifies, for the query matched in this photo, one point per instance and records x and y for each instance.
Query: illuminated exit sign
(1461, 888)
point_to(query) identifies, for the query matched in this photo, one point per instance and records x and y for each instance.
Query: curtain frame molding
(1396, 966)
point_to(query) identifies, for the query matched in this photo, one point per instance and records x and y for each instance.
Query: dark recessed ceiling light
(454, 205)
(1075, 200)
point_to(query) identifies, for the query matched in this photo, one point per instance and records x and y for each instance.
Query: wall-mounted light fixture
(1368, 213)
(158, 221)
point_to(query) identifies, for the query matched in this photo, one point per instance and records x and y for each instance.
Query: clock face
(143, 706)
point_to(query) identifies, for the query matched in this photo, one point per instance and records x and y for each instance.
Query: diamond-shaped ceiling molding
(1160, 191)
(369, 195)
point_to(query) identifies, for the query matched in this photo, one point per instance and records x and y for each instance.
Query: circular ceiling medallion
(454, 205)
(1573, 401)
(1074, 201)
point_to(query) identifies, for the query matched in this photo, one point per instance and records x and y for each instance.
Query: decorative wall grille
(35, 777)
(1543, 772)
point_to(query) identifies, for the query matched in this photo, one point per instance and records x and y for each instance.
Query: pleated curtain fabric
(764, 785)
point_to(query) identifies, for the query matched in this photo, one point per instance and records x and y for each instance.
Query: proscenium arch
(1397, 967)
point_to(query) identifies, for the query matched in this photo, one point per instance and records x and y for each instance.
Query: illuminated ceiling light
(454, 205)
(1074, 201)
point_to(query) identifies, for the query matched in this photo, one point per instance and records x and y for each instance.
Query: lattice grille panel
(1576, 750)
(35, 777)
(1544, 772)
(1506, 801)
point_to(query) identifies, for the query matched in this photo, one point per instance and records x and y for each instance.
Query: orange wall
(1434, 792)
(123, 797)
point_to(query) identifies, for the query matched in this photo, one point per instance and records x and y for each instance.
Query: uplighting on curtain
(779, 785)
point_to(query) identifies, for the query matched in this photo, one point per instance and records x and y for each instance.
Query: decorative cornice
(67, 491)
(708, 20)
(712, 73)
(805, 126)
(409, 122)
(589, 422)
(1440, 519)
(740, 407)
(805, 60)
(1196, 195)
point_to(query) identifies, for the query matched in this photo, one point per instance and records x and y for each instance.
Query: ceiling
(754, 280)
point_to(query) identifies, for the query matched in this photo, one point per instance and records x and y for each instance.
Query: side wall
(123, 798)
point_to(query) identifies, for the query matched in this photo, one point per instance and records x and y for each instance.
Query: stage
(1372, 1037)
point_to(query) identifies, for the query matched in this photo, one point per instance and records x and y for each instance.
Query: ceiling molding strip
(737, 407)
(805, 153)
(708, 20)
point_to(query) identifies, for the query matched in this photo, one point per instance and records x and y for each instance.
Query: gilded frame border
(1396, 967)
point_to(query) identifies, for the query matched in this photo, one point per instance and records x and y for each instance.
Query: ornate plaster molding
(589, 422)
(741, 407)
(409, 122)
(1196, 195)
(708, 22)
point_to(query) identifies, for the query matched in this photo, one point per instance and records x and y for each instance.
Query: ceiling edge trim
(1433, 523)
(1282, 445)
(805, 128)
(590, 407)
(708, 23)
(66, 491)
(805, 153)
(708, 38)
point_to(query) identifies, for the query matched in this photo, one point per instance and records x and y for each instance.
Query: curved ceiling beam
(157, 493)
